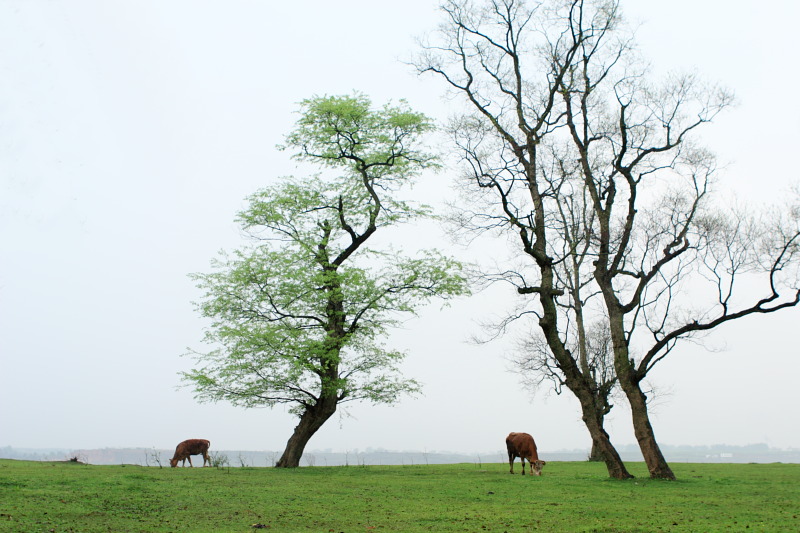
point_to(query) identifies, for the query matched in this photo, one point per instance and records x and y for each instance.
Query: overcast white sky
(131, 131)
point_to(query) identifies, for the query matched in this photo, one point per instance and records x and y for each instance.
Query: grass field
(67, 496)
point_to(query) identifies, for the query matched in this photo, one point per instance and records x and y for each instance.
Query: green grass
(568, 497)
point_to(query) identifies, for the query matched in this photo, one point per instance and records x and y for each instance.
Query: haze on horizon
(130, 134)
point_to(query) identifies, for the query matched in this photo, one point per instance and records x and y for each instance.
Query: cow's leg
(511, 461)
(190, 461)
(206, 458)
(523, 464)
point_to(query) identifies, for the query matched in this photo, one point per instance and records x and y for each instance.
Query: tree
(298, 317)
(657, 225)
(485, 53)
(562, 114)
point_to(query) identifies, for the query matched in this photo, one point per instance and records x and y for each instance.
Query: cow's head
(173, 463)
(537, 467)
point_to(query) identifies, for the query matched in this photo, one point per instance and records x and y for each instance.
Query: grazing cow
(522, 445)
(190, 447)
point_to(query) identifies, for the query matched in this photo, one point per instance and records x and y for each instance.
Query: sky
(131, 132)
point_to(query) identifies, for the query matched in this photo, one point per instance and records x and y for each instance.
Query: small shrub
(219, 460)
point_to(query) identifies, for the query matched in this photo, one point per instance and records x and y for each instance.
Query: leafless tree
(155, 456)
(597, 173)
(514, 151)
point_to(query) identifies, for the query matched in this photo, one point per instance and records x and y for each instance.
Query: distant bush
(219, 460)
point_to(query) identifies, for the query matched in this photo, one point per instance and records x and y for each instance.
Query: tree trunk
(312, 419)
(596, 455)
(316, 415)
(629, 380)
(614, 465)
(593, 411)
(656, 463)
(583, 387)
(593, 419)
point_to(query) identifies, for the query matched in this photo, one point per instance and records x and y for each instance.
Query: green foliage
(468, 497)
(345, 129)
(299, 314)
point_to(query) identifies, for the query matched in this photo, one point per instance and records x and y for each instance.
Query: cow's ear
(544, 463)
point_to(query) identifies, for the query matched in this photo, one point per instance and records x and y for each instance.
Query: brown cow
(190, 447)
(522, 445)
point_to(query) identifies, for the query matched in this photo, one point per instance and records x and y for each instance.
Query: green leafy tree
(298, 316)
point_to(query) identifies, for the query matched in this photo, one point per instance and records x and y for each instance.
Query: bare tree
(155, 456)
(596, 172)
(491, 54)
(657, 225)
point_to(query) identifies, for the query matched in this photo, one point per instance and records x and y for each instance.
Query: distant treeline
(721, 453)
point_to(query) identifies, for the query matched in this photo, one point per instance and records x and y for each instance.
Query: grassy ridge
(568, 497)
